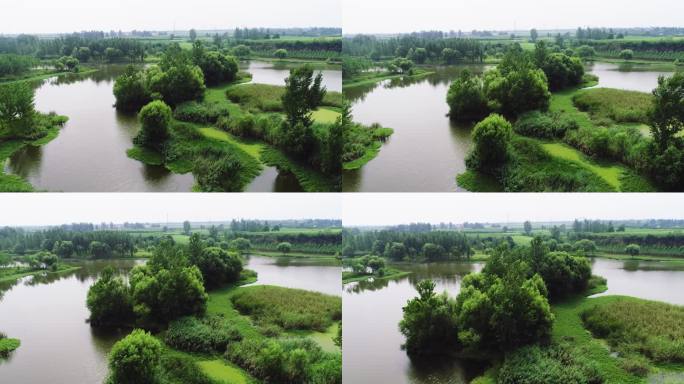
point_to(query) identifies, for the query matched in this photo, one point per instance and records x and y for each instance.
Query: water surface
(627, 76)
(427, 149)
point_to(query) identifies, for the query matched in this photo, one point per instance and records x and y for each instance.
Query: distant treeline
(466, 50)
(645, 49)
(66, 243)
(447, 244)
(323, 241)
(264, 226)
(84, 48)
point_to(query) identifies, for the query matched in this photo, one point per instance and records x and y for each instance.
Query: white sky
(48, 16)
(371, 209)
(51, 209)
(390, 16)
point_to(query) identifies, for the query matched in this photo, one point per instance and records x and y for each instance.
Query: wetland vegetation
(192, 303)
(581, 119)
(568, 312)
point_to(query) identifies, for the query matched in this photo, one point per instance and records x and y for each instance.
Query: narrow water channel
(372, 311)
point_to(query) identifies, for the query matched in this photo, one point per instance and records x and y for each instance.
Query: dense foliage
(109, 301)
(154, 122)
(210, 334)
(491, 138)
(135, 359)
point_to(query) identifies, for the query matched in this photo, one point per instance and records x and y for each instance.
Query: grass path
(610, 173)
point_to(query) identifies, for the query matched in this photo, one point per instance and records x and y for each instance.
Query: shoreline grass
(376, 77)
(63, 268)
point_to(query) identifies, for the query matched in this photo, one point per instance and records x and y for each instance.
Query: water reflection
(627, 76)
(427, 149)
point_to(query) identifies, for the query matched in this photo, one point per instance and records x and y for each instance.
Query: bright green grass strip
(219, 303)
(390, 273)
(370, 154)
(521, 239)
(223, 372)
(611, 174)
(325, 116)
(252, 148)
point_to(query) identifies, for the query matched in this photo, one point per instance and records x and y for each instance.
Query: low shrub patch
(210, 334)
(288, 308)
(202, 113)
(617, 105)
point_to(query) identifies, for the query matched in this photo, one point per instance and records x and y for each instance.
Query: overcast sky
(370, 209)
(48, 16)
(50, 209)
(390, 16)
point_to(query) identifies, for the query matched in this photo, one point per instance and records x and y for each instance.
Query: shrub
(154, 119)
(218, 172)
(208, 335)
(547, 125)
(135, 359)
(562, 70)
(491, 137)
(202, 113)
(109, 300)
(130, 90)
(288, 308)
(541, 365)
(182, 369)
(218, 266)
(517, 91)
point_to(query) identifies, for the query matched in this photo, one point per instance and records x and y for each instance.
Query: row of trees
(66, 244)
(397, 245)
(418, 48)
(85, 47)
(503, 307)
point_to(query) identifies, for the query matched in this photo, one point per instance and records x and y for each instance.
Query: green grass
(390, 273)
(633, 326)
(252, 148)
(363, 144)
(7, 346)
(309, 179)
(223, 372)
(478, 182)
(325, 116)
(610, 173)
(145, 155)
(369, 78)
(267, 97)
(617, 105)
(288, 308)
(11, 274)
(326, 339)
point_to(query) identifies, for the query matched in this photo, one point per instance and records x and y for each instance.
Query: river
(372, 311)
(89, 155)
(48, 315)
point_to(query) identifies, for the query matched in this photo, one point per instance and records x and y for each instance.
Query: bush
(288, 308)
(517, 91)
(545, 125)
(541, 365)
(286, 361)
(181, 369)
(208, 335)
(218, 172)
(177, 83)
(154, 119)
(109, 301)
(491, 137)
(135, 359)
(218, 266)
(202, 113)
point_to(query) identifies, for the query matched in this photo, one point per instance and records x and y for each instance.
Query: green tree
(450, 56)
(17, 108)
(242, 51)
(527, 227)
(218, 266)
(130, 90)
(63, 249)
(99, 250)
(186, 227)
(633, 250)
(241, 244)
(284, 247)
(177, 81)
(466, 98)
(193, 35)
(433, 252)
(395, 251)
(534, 35)
(135, 359)
(280, 53)
(109, 301)
(627, 54)
(419, 55)
(491, 138)
(154, 119)
(334, 142)
(218, 172)
(667, 113)
(585, 246)
(562, 71)
(429, 322)
(195, 246)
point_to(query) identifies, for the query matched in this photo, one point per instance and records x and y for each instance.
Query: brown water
(89, 155)
(48, 314)
(427, 149)
(372, 311)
